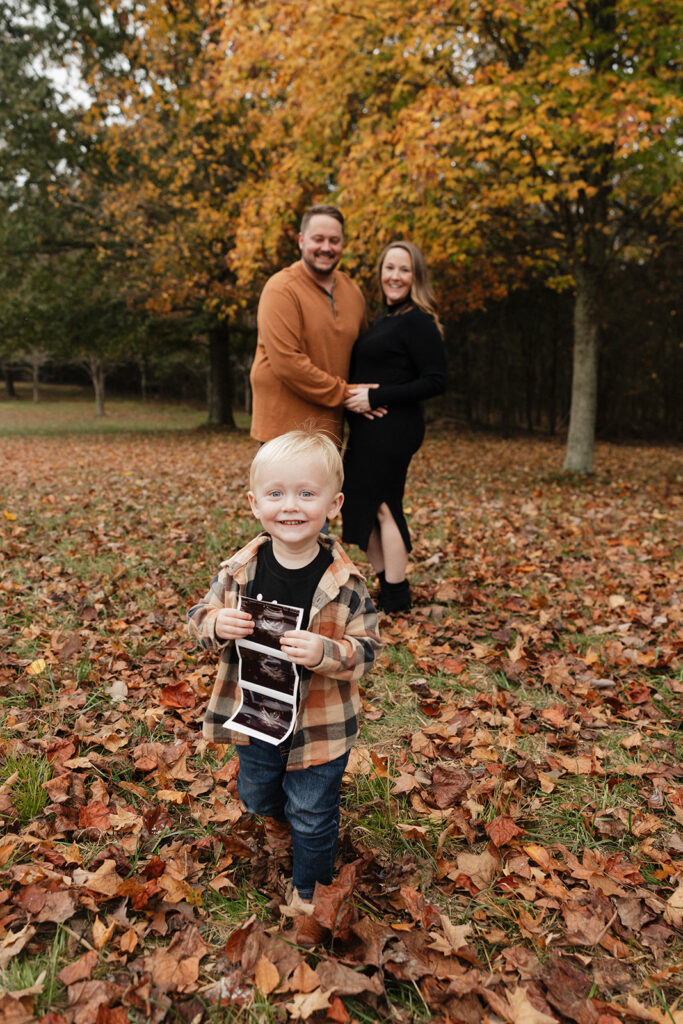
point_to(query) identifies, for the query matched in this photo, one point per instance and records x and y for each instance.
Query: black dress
(404, 354)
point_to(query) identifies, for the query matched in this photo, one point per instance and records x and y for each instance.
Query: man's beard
(319, 270)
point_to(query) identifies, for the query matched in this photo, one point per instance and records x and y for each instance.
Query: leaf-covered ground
(512, 825)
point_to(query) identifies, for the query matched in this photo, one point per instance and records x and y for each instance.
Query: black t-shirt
(273, 582)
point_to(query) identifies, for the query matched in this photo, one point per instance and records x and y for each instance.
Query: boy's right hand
(232, 624)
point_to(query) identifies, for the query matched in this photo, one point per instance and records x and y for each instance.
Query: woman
(403, 353)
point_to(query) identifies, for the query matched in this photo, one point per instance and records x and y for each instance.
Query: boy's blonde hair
(301, 442)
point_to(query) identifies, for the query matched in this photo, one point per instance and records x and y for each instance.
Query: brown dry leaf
(555, 715)
(482, 868)
(423, 913)
(105, 881)
(181, 772)
(454, 937)
(359, 763)
(336, 978)
(541, 856)
(674, 908)
(380, 764)
(404, 784)
(101, 933)
(16, 1011)
(306, 1004)
(177, 968)
(502, 830)
(79, 969)
(7, 847)
(296, 907)
(57, 908)
(523, 1012)
(178, 695)
(558, 676)
(128, 941)
(652, 1013)
(266, 975)
(412, 831)
(86, 997)
(449, 786)
(303, 979)
(177, 889)
(13, 943)
(94, 815)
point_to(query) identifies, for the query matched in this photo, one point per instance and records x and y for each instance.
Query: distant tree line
(531, 149)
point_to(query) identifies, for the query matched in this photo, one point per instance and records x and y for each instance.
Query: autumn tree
(172, 157)
(512, 141)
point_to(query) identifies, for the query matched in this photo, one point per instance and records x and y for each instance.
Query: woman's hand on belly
(358, 401)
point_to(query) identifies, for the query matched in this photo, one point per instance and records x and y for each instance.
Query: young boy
(295, 485)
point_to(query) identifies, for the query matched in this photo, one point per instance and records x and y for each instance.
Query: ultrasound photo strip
(268, 680)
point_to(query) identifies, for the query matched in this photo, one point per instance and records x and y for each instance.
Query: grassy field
(66, 409)
(512, 816)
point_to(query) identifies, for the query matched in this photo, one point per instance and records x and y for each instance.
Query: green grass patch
(24, 775)
(25, 972)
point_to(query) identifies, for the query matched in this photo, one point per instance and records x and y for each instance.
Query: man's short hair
(321, 208)
(301, 442)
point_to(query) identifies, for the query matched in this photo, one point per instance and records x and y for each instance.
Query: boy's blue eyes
(278, 494)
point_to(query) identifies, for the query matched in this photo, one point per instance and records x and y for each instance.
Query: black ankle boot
(395, 597)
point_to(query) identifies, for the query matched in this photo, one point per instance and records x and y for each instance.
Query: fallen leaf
(306, 1004)
(266, 976)
(79, 969)
(482, 868)
(13, 943)
(673, 912)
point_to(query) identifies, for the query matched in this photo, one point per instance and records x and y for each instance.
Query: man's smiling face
(321, 244)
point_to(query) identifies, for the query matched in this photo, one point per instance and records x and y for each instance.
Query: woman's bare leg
(394, 554)
(374, 551)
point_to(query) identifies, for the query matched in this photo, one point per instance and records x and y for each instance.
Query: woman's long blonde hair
(420, 290)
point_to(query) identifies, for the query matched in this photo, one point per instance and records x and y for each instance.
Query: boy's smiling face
(292, 498)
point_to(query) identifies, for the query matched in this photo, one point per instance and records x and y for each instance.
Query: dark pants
(308, 799)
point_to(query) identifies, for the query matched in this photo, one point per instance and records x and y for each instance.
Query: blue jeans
(308, 799)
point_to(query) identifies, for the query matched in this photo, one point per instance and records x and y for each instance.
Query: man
(309, 317)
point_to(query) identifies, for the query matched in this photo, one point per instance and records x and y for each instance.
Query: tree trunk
(142, 363)
(220, 377)
(582, 414)
(466, 375)
(552, 390)
(35, 378)
(97, 376)
(247, 393)
(10, 390)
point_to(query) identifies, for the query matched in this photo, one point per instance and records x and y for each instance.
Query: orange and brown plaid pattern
(341, 612)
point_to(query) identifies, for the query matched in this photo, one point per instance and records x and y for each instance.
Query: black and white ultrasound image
(270, 672)
(270, 620)
(265, 715)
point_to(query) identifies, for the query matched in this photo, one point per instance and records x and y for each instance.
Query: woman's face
(397, 276)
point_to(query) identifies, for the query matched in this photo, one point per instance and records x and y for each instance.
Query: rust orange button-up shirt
(305, 336)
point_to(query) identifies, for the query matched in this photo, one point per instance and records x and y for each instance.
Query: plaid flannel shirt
(341, 612)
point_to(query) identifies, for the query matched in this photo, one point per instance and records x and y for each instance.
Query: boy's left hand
(302, 647)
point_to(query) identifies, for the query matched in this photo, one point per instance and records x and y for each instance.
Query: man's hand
(302, 647)
(232, 624)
